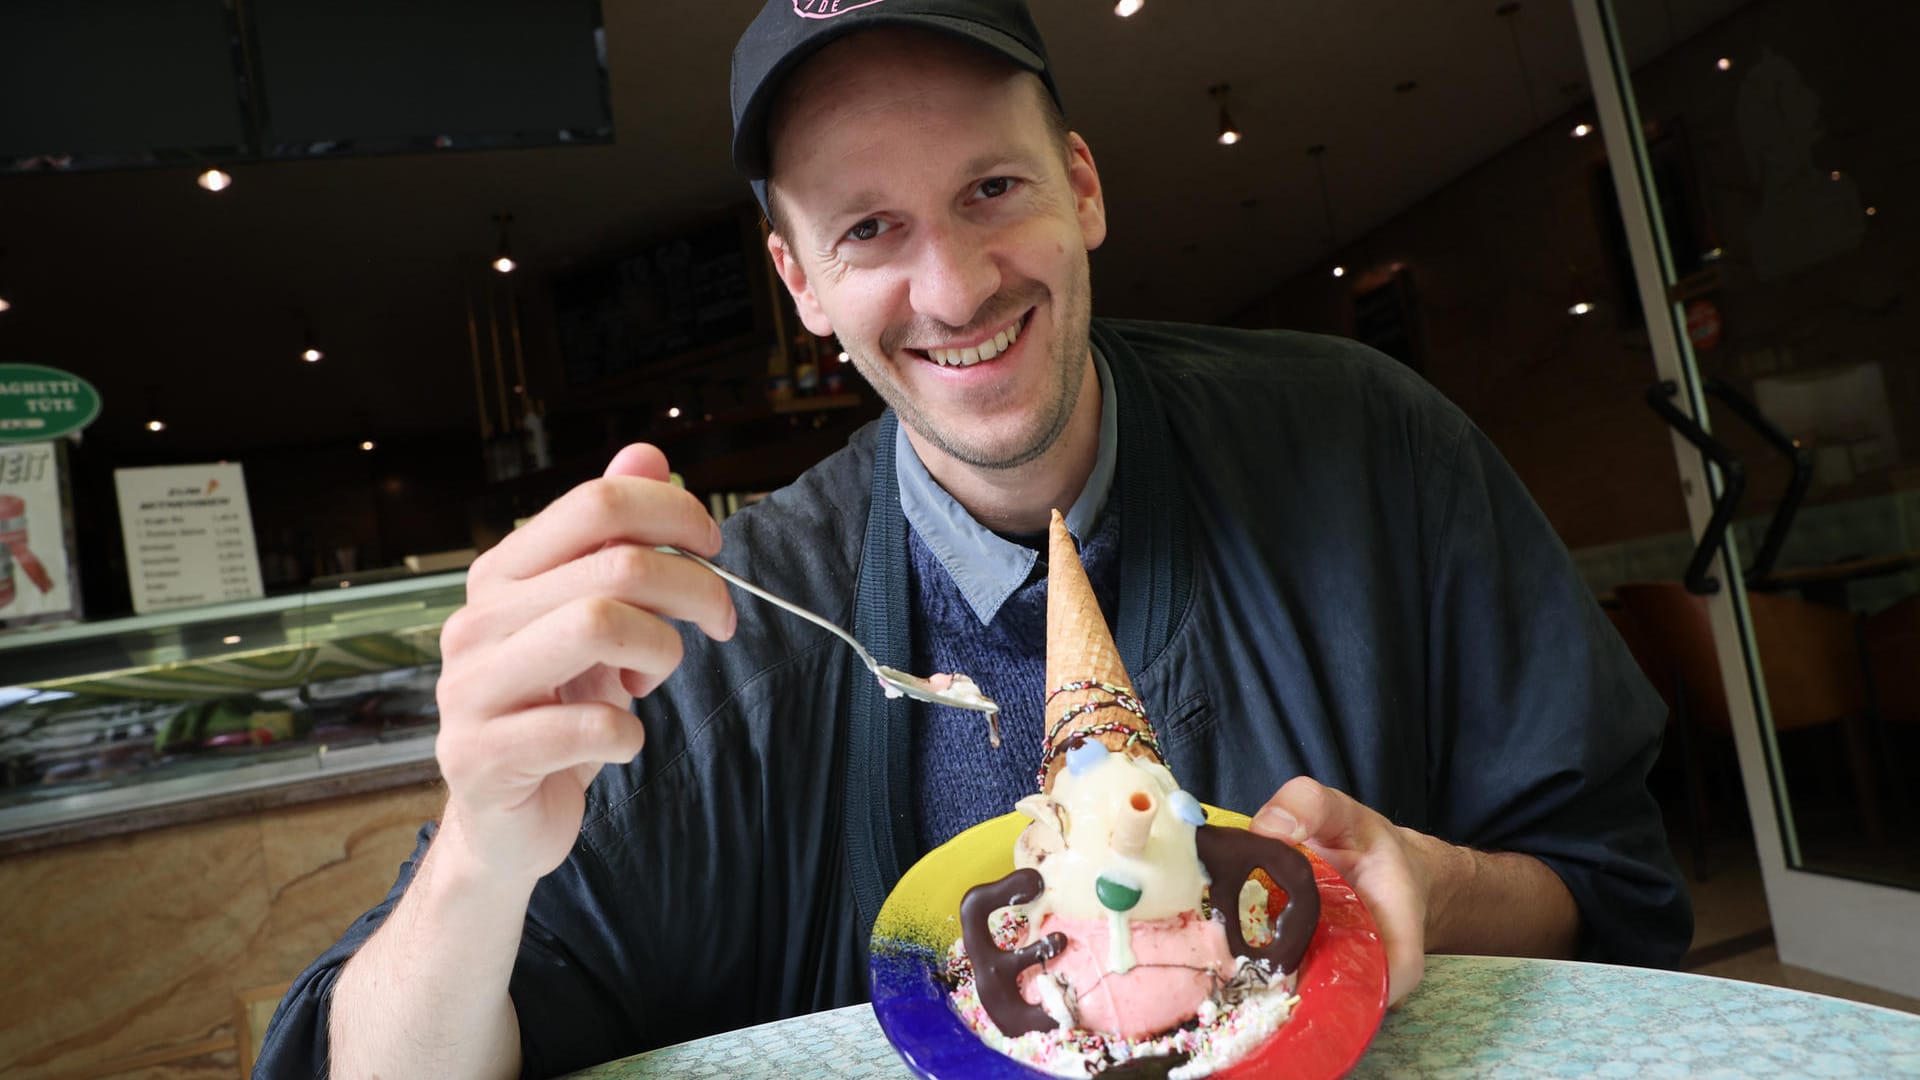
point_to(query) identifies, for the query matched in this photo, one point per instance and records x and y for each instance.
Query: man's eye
(867, 230)
(994, 188)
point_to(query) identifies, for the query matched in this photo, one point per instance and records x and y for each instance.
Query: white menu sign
(189, 535)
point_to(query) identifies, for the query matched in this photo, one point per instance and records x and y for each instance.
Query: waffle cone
(1080, 648)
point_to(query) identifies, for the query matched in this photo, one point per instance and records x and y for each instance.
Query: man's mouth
(985, 350)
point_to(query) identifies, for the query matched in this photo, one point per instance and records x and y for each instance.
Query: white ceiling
(140, 280)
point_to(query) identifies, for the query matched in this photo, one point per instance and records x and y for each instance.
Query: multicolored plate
(1343, 980)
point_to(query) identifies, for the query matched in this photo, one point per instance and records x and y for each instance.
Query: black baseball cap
(786, 32)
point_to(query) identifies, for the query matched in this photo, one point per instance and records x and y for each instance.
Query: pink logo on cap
(827, 9)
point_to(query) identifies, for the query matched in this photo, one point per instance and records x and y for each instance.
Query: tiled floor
(1732, 934)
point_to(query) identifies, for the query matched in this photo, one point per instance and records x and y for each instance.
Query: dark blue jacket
(1325, 569)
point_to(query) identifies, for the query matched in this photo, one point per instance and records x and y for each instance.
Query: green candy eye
(1117, 892)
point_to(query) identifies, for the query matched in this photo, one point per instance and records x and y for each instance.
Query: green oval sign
(42, 403)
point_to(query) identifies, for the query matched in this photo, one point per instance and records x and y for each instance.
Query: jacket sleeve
(1541, 727)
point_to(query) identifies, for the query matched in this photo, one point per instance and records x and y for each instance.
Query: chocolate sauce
(996, 971)
(1231, 856)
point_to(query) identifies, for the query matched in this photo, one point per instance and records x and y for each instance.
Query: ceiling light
(844, 358)
(1339, 271)
(1581, 131)
(1872, 210)
(1580, 307)
(1126, 8)
(1229, 132)
(1835, 174)
(215, 180)
(367, 445)
(3, 304)
(156, 425)
(230, 639)
(504, 264)
(1724, 64)
(673, 413)
(312, 355)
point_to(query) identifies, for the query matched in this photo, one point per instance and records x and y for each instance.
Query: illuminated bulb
(673, 413)
(1229, 137)
(367, 445)
(230, 639)
(156, 425)
(1872, 210)
(1339, 271)
(1580, 308)
(1723, 64)
(1834, 175)
(1581, 131)
(312, 356)
(843, 355)
(215, 180)
(1126, 8)
(504, 264)
(3, 304)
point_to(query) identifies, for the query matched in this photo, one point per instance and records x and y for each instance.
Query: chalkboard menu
(661, 303)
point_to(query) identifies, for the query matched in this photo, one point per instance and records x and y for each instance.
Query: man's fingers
(640, 576)
(612, 509)
(524, 668)
(523, 748)
(639, 459)
(1305, 809)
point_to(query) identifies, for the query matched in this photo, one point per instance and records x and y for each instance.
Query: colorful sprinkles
(1122, 699)
(1134, 736)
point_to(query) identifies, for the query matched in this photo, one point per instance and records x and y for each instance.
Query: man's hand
(1425, 894)
(566, 623)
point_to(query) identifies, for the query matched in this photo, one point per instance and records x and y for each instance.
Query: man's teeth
(986, 350)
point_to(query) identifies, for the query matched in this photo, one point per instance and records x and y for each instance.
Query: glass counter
(115, 718)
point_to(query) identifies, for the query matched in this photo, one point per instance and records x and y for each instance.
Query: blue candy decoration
(1187, 808)
(1085, 756)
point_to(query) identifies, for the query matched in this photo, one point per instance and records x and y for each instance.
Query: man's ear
(1089, 199)
(786, 263)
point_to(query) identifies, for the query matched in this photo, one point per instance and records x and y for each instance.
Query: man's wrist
(454, 871)
(1450, 871)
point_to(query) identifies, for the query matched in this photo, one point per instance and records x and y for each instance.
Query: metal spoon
(962, 694)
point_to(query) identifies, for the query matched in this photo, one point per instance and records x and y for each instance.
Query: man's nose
(955, 276)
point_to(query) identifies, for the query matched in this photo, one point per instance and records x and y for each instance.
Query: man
(1321, 576)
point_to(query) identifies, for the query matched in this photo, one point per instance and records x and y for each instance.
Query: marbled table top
(1471, 1017)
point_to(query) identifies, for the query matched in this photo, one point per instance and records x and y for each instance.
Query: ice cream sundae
(1130, 929)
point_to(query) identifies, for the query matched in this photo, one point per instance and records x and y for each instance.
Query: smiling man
(1339, 606)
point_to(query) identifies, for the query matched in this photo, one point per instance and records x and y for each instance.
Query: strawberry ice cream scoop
(1177, 963)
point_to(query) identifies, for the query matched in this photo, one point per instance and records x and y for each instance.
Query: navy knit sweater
(959, 779)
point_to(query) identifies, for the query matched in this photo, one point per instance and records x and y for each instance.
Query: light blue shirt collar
(986, 568)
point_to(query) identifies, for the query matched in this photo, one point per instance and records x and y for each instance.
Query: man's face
(931, 218)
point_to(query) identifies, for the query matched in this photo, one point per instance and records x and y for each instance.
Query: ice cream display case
(122, 724)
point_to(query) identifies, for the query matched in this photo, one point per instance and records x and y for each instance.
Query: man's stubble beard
(1071, 347)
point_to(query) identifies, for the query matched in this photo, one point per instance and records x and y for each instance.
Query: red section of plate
(1343, 993)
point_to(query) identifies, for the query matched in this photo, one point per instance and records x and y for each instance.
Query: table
(1471, 1017)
